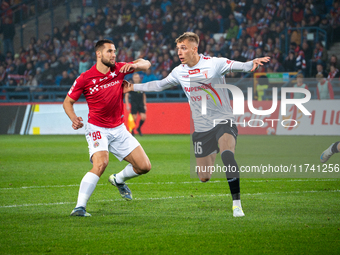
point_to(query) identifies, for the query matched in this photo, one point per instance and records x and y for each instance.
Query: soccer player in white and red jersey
(105, 131)
(195, 72)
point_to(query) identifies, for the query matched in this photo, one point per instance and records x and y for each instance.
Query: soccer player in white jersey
(198, 71)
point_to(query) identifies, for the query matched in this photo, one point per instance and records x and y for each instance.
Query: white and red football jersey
(208, 72)
(104, 95)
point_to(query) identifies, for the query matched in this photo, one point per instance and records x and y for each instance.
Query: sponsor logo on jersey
(195, 89)
(105, 78)
(204, 87)
(96, 144)
(111, 84)
(209, 93)
(228, 61)
(97, 87)
(185, 76)
(94, 89)
(195, 71)
(94, 81)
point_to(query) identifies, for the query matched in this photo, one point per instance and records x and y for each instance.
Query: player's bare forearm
(142, 64)
(136, 66)
(68, 107)
(69, 110)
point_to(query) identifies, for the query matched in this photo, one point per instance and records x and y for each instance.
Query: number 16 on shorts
(198, 147)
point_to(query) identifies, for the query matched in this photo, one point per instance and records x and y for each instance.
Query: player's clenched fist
(77, 123)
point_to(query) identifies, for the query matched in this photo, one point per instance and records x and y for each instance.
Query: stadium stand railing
(53, 93)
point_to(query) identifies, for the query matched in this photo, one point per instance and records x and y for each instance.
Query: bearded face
(108, 55)
(108, 62)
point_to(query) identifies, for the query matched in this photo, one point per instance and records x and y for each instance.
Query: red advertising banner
(174, 118)
(165, 118)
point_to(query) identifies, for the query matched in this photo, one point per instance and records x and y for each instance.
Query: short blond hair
(190, 36)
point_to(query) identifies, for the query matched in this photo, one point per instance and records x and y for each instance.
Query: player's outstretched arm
(147, 87)
(137, 65)
(249, 66)
(68, 107)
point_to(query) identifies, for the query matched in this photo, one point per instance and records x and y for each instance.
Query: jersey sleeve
(77, 88)
(172, 78)
(223, 65)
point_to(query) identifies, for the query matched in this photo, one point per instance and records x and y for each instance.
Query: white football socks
(237, 203)
(87, 186)
(126, 174)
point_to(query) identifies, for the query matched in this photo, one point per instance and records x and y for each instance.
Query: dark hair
(100, 44)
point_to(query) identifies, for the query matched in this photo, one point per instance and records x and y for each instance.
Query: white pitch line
(162, 183)
(42, 187)
(173, 197)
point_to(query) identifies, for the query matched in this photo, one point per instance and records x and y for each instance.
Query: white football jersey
(199, 81)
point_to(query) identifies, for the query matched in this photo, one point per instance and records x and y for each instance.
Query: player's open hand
(128, 68)
(127, 86)
(259, 62)
(77, 123)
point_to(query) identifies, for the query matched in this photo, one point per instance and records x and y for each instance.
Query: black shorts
(205, 143)
(135, 108)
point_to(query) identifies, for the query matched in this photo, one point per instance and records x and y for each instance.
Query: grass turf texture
(172, 213)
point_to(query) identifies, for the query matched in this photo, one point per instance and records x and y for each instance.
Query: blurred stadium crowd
(237, 29)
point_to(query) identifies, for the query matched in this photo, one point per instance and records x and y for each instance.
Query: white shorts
(116, 140)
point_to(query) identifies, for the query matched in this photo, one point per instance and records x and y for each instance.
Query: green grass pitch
(171, 213)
